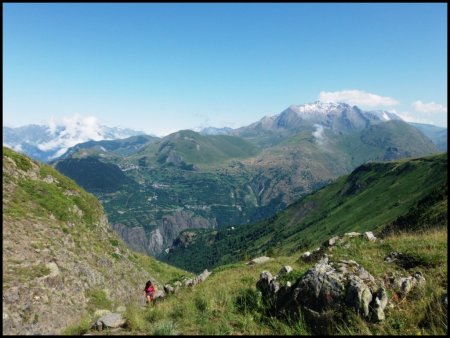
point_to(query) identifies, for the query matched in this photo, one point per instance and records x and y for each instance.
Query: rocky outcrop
(324, 290)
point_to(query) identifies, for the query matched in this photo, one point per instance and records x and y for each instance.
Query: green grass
(98, 300)
(22, 162)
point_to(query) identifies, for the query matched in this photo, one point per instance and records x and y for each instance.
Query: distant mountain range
(153, 188)
(46, 142)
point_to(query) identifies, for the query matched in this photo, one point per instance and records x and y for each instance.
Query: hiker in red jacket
(149, 291)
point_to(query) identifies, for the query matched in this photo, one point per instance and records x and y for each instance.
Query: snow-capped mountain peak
(319, 108)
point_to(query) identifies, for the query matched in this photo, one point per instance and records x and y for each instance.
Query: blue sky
(165, 67)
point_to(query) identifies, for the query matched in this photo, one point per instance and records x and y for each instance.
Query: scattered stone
(285, 270)
(306, 256)
(370, 236)
(331, 241)
(392, 257)
(352, 234)
(259, 260)
(168, 289)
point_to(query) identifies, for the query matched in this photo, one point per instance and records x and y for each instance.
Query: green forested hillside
(373, 197)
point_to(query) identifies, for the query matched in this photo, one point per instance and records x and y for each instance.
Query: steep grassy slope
(60, 258)
(228, 303)
(372, 197)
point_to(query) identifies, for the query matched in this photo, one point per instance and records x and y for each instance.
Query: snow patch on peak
(319, 107)
(385, 116)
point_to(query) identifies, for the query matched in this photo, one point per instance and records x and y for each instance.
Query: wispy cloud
(76, 129)
(318, 133)
(430, 107)
(357, 97)
(410, 117)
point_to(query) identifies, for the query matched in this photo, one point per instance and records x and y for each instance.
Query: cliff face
(167, 230)
(60, 258)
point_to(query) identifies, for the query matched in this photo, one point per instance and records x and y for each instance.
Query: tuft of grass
(165, 328)
(80, 328)
(98, 300)
(201, 303)
(135, 320)
(247, 300)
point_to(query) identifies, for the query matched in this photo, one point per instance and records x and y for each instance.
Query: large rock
(332, 241)
(111, 320)
(285, 270)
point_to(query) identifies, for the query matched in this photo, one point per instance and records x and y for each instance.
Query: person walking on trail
(150, 289)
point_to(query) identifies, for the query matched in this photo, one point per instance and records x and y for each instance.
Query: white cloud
(357, 97)
(318, 133)
(430, 107)
(409, 117)
(74, 130)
